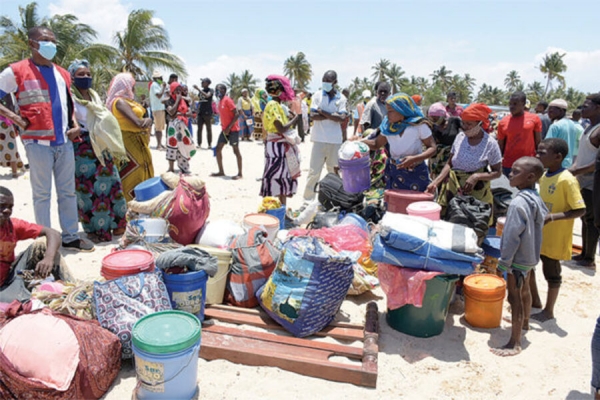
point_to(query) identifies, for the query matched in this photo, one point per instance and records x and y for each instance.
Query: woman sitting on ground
(135, 130)
(444, 129)
(99, 154)
(404, 132)
(475, 160)
(279, 177)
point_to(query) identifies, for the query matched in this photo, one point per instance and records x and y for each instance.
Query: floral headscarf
(75, 65)
(121, 86)
(405, 105)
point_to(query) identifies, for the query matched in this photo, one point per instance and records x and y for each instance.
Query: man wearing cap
(583, 169)
(562, 128)
(359, 111)
(157, 92)
(205, 111)
(519, 133)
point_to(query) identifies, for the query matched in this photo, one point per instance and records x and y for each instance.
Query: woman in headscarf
(259, 102)
(135, 130)
(444, 129)
(244, 106)
(100, 200)
(404, 132)
(281, 151)
(475, 160)
(180, 144)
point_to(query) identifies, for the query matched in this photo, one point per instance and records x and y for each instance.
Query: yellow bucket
(215, 287)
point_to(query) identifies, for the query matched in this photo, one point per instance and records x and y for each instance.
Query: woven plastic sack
(120, 303)
(307, 288)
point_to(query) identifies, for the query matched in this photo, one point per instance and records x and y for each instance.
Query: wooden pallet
(302, 356)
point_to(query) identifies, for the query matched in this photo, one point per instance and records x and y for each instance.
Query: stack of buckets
(397, 201)
(215, 286)
(165, 347)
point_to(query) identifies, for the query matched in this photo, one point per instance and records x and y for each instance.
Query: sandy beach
(555, 362)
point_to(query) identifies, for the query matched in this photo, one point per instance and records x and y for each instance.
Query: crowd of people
(96, 149)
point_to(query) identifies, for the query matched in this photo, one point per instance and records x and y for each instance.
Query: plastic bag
(219, 233)
(403, 285)
(351, 150)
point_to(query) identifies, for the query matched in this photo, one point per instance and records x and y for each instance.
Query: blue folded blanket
(384, 253)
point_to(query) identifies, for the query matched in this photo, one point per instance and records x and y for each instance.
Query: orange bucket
(484, 295)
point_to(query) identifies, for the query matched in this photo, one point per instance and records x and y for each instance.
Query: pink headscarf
(120, 86)
(287, 93)
(437, 110)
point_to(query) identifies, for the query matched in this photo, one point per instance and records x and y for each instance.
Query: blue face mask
(327, 86)
(47, 49)
(83, 82)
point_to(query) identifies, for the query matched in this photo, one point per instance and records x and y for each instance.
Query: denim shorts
(233, 138)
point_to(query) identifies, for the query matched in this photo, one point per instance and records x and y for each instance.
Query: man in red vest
(48, 129)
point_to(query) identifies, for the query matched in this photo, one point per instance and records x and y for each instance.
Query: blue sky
(485, 38)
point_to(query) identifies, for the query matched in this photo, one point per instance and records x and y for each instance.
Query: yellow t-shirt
(125, 123)
(273, 112)
(560, 193)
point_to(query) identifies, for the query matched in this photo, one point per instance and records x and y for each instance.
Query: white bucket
(266, 222)
(155, 229)
(215, 287)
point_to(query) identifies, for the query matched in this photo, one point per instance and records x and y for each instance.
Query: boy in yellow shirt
(560, 192)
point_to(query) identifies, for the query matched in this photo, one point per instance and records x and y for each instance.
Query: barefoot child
(560, 191)
(520, 246)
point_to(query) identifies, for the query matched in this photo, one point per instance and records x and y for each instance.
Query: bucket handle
(192, 356)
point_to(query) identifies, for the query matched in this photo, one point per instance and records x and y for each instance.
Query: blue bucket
(149, 189)
(165, 347)
(187, 291)
(278, 213)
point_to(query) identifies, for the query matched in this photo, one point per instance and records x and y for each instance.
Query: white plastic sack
(218, 233)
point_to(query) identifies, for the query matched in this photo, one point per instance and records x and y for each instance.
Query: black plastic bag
(470, 212)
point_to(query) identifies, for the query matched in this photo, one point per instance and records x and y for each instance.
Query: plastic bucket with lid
(429, 319)
(484, 295)
(155, 230)
(427, 209)
(165, 349)
(398, 200)
(263, 221)
(356, 174)
(187, 291)
(149, 189)
(278, 213)
(215, 286)
(500, 226)
(126, 262)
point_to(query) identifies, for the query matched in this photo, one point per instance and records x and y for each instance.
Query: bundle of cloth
(419, 243)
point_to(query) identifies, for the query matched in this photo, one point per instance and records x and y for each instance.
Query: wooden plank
(254, 318)
(249, 351)
(332, 348)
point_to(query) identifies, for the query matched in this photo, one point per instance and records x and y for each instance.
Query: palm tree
(535, 92)
(233, 85)
(14, 35)
(395, 75)
(381, 70)
(442, 77)
(462, 88)
(299, 70)
(421, 84)
(143, 47)
(512, 82)
(469, 81)
(491, 95)
(552, 67)
(245, 81)
(357, 86)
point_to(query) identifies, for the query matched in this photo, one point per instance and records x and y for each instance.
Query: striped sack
(253, 260)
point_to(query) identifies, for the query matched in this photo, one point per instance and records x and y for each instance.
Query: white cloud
(158, 21)
(106, 16)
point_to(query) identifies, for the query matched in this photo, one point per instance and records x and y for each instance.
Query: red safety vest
(33, 98)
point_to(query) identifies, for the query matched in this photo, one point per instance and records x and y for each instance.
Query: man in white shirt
(328, 111)
(157, 91)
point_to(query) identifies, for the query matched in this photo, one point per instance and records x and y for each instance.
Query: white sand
(555, 362)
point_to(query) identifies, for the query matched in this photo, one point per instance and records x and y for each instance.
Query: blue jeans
(596, 356)
(46, 162)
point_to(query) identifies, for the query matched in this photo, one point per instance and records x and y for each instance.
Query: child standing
(520, 246)
(560, 191)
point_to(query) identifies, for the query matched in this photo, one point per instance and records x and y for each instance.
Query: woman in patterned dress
(9, 154)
